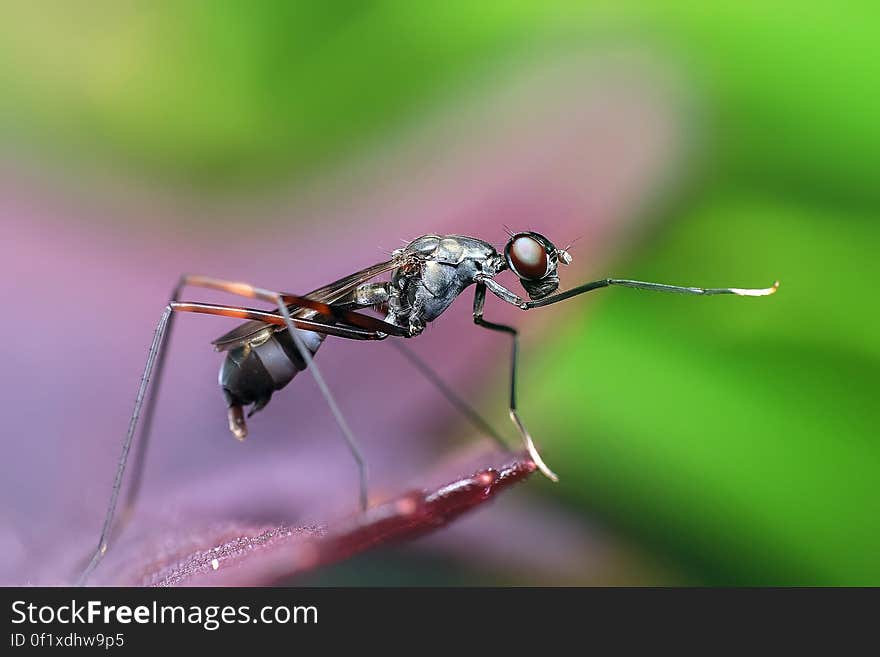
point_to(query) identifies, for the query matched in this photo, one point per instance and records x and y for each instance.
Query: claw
(763, 292)
(530, 446)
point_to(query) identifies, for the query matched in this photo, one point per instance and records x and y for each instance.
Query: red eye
(528, 258)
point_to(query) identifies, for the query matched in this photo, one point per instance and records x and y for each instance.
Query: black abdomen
(252, 372)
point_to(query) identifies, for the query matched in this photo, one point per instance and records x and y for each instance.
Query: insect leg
(331, 401)
(337, 312)
(155, 348)
(479, 302)
(274, 317)
(457, 402)
(154, 357)
(140, 456)
(506, 295)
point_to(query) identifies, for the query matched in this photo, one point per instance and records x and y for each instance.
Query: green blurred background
(733, 446)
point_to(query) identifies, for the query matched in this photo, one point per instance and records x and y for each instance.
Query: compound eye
(528, 258)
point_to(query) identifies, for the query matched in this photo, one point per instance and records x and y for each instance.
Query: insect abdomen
(253, 371)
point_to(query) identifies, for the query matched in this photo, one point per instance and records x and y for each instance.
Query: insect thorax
(444, 266)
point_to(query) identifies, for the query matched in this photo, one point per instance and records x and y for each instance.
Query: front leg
(506, 295)
(499, 291)
(479, 302)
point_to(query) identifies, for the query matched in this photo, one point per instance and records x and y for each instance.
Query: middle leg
(449, 394)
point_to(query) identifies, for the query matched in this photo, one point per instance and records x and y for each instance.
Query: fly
(264, 354)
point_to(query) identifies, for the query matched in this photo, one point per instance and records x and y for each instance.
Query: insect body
(264, 354)
(432, 271)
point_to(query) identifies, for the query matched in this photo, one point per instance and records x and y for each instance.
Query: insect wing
(328, 294)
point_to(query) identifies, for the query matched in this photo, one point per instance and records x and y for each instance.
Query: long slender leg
(274, 317)
(479, 302)
(155, 348)
(506, 295)
(331, 402)
(339, 313)
(140, 456)
(656, 287)
(154, 356)
(457, 402)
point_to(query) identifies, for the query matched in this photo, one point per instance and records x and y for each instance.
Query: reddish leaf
(265, 555)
